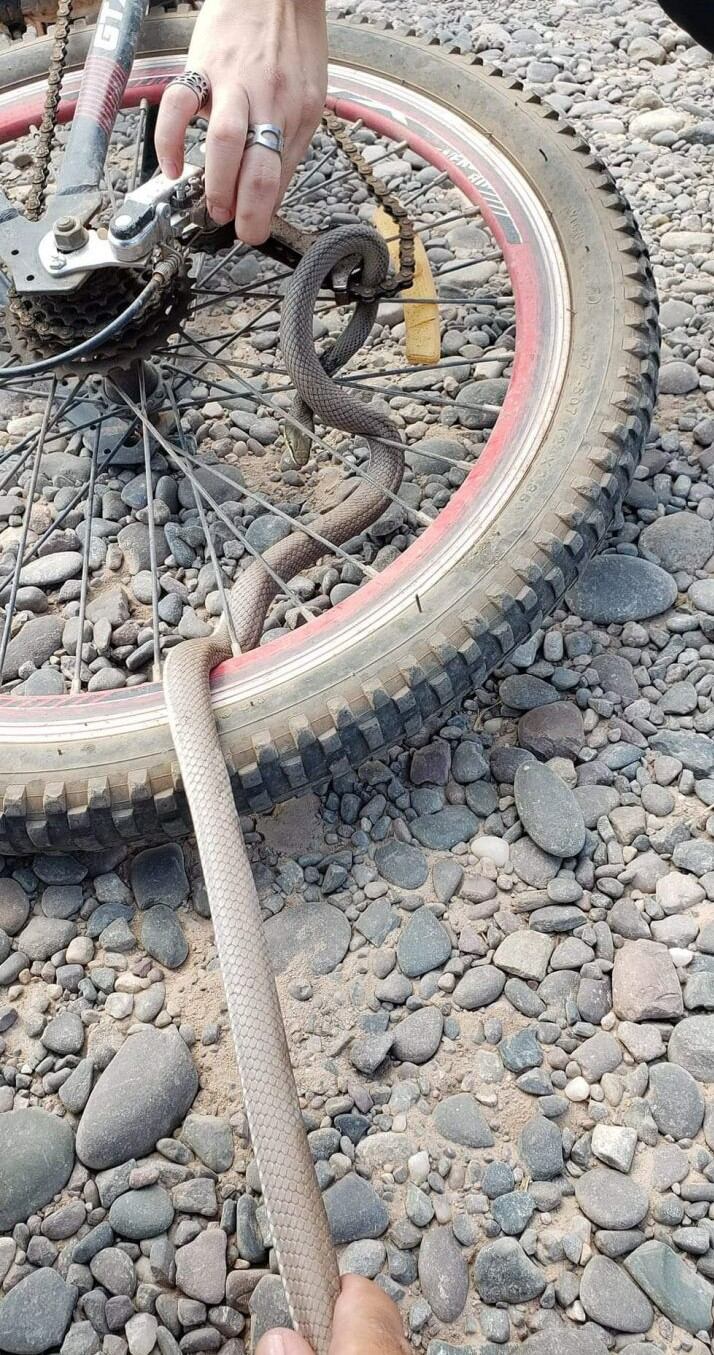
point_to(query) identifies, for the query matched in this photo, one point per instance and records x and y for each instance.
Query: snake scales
(299, 1226)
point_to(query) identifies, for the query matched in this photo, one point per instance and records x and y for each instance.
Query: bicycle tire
(107, 790)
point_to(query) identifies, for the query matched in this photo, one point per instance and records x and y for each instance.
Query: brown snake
(298, 1222)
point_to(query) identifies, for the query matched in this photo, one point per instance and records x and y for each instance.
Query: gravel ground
(496, 959)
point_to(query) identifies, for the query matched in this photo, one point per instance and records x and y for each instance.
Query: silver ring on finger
(199, 85)
(265, 134)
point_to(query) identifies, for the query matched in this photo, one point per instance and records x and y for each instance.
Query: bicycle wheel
(547, 299)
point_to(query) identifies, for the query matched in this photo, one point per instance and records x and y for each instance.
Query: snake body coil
(300, 1231)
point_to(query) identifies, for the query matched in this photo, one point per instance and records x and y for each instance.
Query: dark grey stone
(504, 1274)
(162, 936)
(36, 1161)
(443, 1274)
(676, 1101)
(610, 1297)
(611, 1200)
(317, 931)
(64, 1034)
(354, 1210)
(141, 1097)
(673, 1286)
(442, 831)
(541, 1147)
(401, 864)
(691, 1045)
(36, 1313)
(479, 987)
(35, 643)
(460, 1119)
(14, 906)
(158, 876)
(548, 810)
(140, 1214)
(423, 945)
(552, 731)
(614, 589)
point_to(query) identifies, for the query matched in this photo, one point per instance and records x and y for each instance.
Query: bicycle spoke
(153, 555)
(84, 582)
(22, 542)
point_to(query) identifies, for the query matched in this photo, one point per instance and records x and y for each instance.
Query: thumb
(282, 1342)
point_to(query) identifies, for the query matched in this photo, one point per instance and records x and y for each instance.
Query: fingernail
(219, 214)
(170, 169)
(274, 1343)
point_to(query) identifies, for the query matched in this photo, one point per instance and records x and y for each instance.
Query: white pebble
(119, 1005)
(418, 1167)
(491, 849)
(577, 1089)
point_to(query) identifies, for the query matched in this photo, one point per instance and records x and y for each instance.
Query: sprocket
(42, 324)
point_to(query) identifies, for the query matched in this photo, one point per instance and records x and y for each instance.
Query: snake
(298, 1222)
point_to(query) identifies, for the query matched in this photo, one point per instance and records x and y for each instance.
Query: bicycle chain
(35, 202)
(404, 276)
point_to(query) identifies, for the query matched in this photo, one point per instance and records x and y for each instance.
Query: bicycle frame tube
(104, 78)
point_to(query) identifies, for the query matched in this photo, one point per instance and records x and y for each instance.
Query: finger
(258, 188)
(225, 140)
(281, 1342)
(177, 108)
(295, 152)
(366, 1320)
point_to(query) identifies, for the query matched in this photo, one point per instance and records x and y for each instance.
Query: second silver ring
(265, 134)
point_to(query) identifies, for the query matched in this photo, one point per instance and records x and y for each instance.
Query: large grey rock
(354, 1210)
(36, 1161)
(614, 589)
(564, 1338)
(610, 1298)
(140, 1098)
(35, 643)
(552, 731)
(479, 987)
(460, 1119)
(442, 831)
(50, 570)
(14, 906)
(541, 1147)
(44, 935)
(139, 1214)
(162, 936)
(676, 1101)
(504, 1274)
(424, 944)
(402, 864)
(317, 932)
(548, 810)
(645, 986)
(691, 1045)
(678, 541)
(696, 751)
(443, 1274)
(674, 1286)
(611, 1200)
(36, 1313)
(418, 1036)
(158, 876)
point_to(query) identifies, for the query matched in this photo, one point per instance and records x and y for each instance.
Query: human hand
(366, 1322)
(266, 61)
